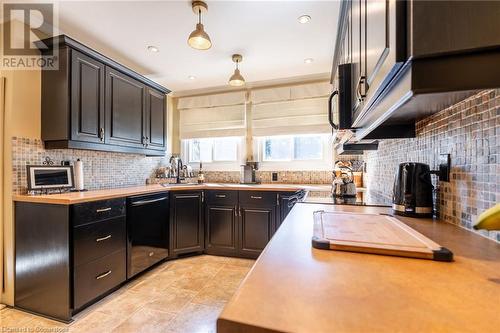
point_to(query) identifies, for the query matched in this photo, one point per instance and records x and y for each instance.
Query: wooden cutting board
(373, 233)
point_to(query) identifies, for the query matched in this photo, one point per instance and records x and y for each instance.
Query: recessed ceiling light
(153, 49)
(304, 19)
(192, 77)
(308, 60)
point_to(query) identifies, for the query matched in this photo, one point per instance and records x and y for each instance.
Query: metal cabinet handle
(187, 196)
(292, 202)
(330, 110)
(98, 277)
(361, 94)
(254, 197)
(146, 202)
(101, 134)
(220, 195)
(235, 211)
(151, 254)
(103, 238)
(101, 210)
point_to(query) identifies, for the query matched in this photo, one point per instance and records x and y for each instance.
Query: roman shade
(309, 90)
(307, 116)
(208, 101)
(212, 115)
(300, 109)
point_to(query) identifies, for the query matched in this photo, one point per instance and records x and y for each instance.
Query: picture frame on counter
(50, 177)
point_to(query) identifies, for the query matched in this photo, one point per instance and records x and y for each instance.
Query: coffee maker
(247, 175)
(413, 190)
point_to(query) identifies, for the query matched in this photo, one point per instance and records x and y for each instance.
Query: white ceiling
(273, 43)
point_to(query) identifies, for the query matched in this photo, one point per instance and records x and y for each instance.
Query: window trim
(323, 164)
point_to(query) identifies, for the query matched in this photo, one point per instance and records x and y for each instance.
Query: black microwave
(341, 107)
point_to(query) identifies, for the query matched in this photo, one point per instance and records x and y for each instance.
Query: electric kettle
(413, 190)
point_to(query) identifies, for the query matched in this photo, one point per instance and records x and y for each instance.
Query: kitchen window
(295, 152)
(221, 151)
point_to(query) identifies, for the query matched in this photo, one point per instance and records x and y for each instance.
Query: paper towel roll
(79, 175)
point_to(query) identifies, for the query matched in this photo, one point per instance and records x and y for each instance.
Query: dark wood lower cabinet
(69, 256)
(186, 222)
(256, 226)
(221, 230)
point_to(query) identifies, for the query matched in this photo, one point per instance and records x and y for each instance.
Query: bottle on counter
(201, 175)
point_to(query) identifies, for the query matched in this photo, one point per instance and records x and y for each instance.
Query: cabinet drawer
(97, 210)
(99, 276)
(258, 198)
(222, 198)
(95, 240)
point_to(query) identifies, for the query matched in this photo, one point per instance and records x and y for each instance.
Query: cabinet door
(155, 120)
(255, 229)
(376, 31)
(186, 223)
(125, 106)
(221, 230)
(355, 15)
(87, 98)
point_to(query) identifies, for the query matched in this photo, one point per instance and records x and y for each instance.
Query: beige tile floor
(184, 295)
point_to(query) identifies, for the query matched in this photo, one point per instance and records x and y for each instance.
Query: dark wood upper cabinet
(410, 59)
(93, 102)
(356, 56)
(125, 110)
(155, 122)
(87, 98)
(186, 222)
(376, 36)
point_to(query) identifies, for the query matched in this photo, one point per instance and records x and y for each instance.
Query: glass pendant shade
(199, 39)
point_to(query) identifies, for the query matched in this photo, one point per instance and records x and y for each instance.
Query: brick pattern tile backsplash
(470, 132)
(100, 169)
(111, 170)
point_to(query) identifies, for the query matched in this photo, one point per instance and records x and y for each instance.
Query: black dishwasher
(147, 231)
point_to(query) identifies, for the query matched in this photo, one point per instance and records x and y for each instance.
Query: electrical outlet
(274, 176)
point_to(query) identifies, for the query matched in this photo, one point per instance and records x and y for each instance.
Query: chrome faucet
(177, 163)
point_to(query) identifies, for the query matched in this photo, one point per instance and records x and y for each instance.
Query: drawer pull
(254, 197)
(101, 210)
(98, 277)
(220, 195)
(151, 254)
(103, 238)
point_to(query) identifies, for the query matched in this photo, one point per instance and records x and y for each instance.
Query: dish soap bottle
(201, 175)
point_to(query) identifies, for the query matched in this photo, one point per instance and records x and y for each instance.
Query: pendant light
(199, 39)
(237, 79)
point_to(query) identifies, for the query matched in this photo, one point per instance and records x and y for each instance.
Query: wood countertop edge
(444, 296)
(96, 195)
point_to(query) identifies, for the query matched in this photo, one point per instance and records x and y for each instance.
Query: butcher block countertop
(79, 197)
(295, 288)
